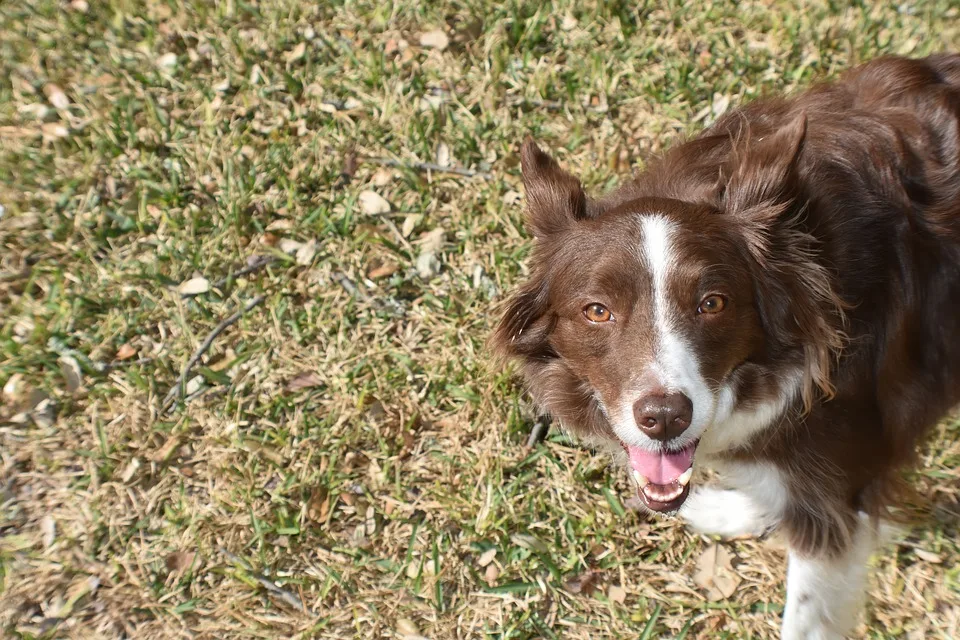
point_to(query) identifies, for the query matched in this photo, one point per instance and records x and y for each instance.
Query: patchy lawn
(342, 460)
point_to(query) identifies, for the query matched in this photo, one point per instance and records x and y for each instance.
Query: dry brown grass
(347, 439)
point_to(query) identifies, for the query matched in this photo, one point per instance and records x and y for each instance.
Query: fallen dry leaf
(289, 246)
(410, 223)
(443, 155)
(194, 286)
(130, 470)
(435, 39)
(428, 265)
(306, 253)
(126, 351)
(490, 574)
(179, 561)
(318, 506)
(383, 270)
(617, 594)
(56, 96)
(373, 204)
(714, 573)
(167, 61)
(14, 390)
(432, 241)
(72, 375)
(305, 380)
(585, 583)
(296, 53)
(487, 557)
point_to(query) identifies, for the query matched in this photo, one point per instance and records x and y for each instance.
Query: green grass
(190, 136)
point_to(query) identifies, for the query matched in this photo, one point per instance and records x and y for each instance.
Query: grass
(347, 440)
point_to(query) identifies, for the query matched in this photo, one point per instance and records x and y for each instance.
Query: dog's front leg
(825, 593)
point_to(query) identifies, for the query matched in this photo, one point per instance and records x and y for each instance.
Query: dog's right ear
(555, 199)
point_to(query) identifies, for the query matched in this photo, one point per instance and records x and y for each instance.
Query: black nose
(663, 416)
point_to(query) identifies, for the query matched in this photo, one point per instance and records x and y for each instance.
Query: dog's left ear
(555, 199)
(762, 178)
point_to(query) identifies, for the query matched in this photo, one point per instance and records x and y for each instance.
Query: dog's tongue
(662, 467)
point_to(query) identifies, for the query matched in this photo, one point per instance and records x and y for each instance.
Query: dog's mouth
(662, 477)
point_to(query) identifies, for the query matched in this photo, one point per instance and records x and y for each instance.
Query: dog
(776, 299)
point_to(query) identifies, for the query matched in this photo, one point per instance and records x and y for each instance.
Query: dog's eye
(596, 312)
(712, 304)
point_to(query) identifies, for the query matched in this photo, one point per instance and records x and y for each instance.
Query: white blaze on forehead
(658, 255)
(676, 365)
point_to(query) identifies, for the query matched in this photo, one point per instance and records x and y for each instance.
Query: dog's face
(640, 325)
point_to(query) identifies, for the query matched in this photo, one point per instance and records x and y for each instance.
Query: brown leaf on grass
(435, 39)
(194, 286)
(270, 239)
(382, 270)
(490, 574)
(349, 168)
(296, 53)
(714, 573)
(126, 351)
(617, 594)
(305, 380)
(318, 506)
(487, 557)
(585, 583)
(179, 561)
(373, 204)
(409, 442)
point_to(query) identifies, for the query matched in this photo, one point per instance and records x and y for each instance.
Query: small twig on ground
(258, 263)
(539, 431)
(110, 366)
(388, 304)
(429, 166)
(178, 389)
(552, 105)
(348, 285)
(288, 597)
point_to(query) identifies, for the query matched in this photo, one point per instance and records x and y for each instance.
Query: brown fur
(838, 213)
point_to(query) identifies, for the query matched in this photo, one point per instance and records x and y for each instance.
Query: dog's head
(651, 320)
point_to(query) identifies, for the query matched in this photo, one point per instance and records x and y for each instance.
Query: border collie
(777, 299)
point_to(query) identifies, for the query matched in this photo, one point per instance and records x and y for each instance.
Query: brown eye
(712, 304)
(596, 312)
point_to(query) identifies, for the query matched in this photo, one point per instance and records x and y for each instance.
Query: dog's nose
(663, 416)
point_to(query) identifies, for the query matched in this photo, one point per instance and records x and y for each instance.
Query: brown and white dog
(777, 299)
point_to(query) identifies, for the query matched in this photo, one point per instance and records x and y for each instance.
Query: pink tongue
(661, 467)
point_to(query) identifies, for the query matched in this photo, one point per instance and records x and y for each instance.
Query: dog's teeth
(685, 477)
(641, 480)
